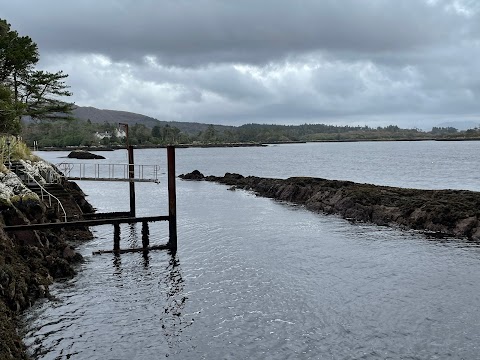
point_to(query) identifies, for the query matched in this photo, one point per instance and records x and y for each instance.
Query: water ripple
(257, 279)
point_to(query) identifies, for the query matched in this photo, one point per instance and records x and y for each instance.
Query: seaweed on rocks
(453, 213)
(30, 260)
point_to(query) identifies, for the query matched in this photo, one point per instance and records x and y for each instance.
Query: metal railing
(50, 175)
(95, 171)
(44, 192)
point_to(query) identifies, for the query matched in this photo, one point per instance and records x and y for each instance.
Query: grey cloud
(210, 31)
(265, 61)
(223, 80)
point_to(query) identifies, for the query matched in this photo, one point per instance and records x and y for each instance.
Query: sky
(411, 63)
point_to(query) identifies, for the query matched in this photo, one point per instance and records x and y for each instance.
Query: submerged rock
(82, 154)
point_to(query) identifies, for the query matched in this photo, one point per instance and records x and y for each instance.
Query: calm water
(257, 279)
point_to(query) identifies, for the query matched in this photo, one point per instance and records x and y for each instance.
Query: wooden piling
(172, 199)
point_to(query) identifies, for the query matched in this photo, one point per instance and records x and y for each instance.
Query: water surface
(257, 279)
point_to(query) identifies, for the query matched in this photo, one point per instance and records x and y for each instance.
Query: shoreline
(31, 260)
(454, 213)
(122, 147)
(229, 145)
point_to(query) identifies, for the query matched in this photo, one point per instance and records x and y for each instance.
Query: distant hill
(100, 116)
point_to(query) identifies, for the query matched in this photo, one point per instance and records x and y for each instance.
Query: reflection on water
(136, 297)
(173, 321)
(256, 279)
(309, 287)
(132, 236)
(117, 264)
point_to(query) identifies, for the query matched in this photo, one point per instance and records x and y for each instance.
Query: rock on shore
(448, 212)
(82, 154)
(31, 260)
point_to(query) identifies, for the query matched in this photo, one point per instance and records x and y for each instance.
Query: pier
(117, 218)
(109, 172)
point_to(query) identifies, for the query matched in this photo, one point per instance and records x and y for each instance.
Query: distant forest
(29, 93)
(62, 133)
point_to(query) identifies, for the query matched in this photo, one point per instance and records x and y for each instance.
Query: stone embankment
(453, 213)
(31, 260)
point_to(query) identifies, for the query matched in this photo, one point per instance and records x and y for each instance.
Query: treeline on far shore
(76, 132)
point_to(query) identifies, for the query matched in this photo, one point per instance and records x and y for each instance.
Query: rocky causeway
(31, 260)
(454, 213)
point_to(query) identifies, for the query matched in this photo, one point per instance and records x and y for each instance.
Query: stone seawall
(31, 260)
(453, 213)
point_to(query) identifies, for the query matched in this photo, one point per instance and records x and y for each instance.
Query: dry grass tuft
(17, 150)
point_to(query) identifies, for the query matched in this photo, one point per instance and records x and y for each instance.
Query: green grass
(17, 150)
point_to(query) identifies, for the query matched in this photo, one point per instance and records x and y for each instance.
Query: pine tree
(33, 93)
(8, 117)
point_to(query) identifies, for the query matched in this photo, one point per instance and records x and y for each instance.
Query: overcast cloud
(413, 63)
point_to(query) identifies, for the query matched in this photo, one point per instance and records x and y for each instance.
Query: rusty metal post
(172, 199)
(131, 176)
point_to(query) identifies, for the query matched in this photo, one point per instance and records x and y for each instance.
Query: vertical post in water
(116, 237)
(145, 235)
(172, 199)
(131, 172)
(131, 183)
